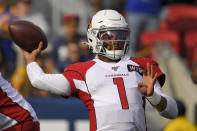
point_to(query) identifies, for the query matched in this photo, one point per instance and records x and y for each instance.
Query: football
(27, 35)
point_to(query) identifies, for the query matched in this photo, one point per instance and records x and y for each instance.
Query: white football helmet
(108, 27)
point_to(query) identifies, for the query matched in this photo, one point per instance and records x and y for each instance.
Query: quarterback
(112, 86)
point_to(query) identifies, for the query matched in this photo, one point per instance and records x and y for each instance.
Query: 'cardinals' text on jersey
(110, 91)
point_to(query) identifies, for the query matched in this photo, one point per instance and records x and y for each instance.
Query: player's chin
(116, 48)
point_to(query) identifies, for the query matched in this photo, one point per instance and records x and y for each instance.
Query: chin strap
(112, 54)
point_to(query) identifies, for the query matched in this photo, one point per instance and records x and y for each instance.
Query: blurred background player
(16, 114)
(71, 55)
(7, 14)
(68, 48)
(112, 86)
(70, 25)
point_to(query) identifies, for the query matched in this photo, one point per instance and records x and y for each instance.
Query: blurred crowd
(172, 22)
(64, 22)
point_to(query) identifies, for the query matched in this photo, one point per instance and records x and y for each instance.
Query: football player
(112, 86)
(16, 114)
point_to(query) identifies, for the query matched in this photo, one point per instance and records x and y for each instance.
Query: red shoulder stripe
(13, 109)
(77, 71)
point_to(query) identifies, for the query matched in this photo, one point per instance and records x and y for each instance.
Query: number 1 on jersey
(122, 93)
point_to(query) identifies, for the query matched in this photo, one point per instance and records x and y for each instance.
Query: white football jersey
(14, 108)
(110, 91)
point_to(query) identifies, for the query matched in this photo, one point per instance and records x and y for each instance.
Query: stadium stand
(182, 18)
(149, 38)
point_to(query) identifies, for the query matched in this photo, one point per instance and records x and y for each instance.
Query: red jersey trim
(89, 103)
(144, 106)
(13, 109)
(77, 71)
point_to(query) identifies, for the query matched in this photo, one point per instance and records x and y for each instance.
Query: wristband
(154, 99)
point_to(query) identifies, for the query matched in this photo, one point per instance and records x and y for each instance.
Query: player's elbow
(35, 82)
(174, 113)
(170, 115)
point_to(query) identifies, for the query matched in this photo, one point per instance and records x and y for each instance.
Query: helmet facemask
(113, 43)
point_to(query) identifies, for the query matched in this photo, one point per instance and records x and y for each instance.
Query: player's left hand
(146, 86)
